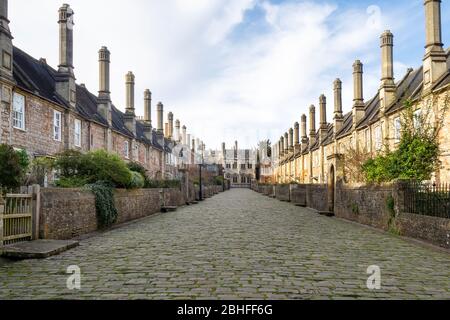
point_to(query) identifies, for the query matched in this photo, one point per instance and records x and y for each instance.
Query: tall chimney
(435, 61)
(184, 135)
(323, 118)
(160, 116)
(104, 95)
(130, 115)
(338, 115)
(148, 107)
(286, 143)
(387, 89)
(193, 151)
(188, 141)
(170, 122)
(291, 139)
(65, 79)
(304, 135)
(312, 125)
(177, 136)
(296, 134)
(6, 46)
(282, 148)
(358, 101)
(148, 114)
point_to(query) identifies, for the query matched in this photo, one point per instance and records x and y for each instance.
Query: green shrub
(71, 182)
(218, 180)
(93, 167)
(13, 166)
(104, 203)
(39, 169)
(137, 181)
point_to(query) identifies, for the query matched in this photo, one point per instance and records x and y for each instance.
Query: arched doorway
(331, 189)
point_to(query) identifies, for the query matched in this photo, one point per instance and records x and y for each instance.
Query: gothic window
(77, 133)
(19, 111)
(57, 119)
(250, 166)
(417, 119)
(243, 166)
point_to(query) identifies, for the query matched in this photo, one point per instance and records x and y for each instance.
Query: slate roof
(38, 78)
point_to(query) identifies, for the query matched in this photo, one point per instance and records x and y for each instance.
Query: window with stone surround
(397, 129)
(18, 111)
(417, 116)
(77, 133)
(126, 149)
(57, 125)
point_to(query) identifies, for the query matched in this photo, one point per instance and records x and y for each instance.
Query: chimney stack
(170, 126)
(177, 137)
(104, 94)
(312, 125)
(282, 148)
(148, 114)
(387, 90)
(286, 143)
(323, 118)
(184, 135)
(296, 134)
(304, 135)
(6, 46)
(338, 115)
(65, 80)
(291, 140)
(435, 60)
(130, 115)
(358, 101)
(160, 116)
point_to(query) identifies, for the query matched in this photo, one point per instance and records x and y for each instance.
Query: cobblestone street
(236, 245)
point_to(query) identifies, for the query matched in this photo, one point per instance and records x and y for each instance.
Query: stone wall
(379, 206)
(364, 204)
(282, 192)
(69, 213)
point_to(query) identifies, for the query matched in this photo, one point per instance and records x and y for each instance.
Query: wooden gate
(17, 218)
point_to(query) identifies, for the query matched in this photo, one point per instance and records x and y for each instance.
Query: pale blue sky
(230, 69)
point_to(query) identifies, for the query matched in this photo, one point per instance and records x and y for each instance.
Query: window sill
(20, 129)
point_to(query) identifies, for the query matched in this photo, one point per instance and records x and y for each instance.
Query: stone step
(38, 249)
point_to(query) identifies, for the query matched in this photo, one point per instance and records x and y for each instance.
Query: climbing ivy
(104, 203)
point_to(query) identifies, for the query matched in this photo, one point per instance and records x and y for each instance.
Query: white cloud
(222, 87)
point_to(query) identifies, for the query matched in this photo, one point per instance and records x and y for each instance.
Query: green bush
(13, 166)
(218, 180)
(71, 182)
(137, 181)
(104, 203)
(93, 167)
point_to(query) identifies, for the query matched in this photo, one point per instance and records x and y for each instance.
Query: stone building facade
(239, 165)
(44, 111)
(317, 155)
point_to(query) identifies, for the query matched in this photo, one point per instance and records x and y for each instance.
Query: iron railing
(428, 199)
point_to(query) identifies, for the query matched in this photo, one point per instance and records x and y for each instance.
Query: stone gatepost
(399, 190)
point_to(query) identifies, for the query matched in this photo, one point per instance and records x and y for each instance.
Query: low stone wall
(66, 213)
(317, 197)
(431, 229)
(364, 204)
(298, 194)
(282, 192)
(69, 213)
(379, 206)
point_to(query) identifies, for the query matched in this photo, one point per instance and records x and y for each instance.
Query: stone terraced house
(44, 111)
(317, 156)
